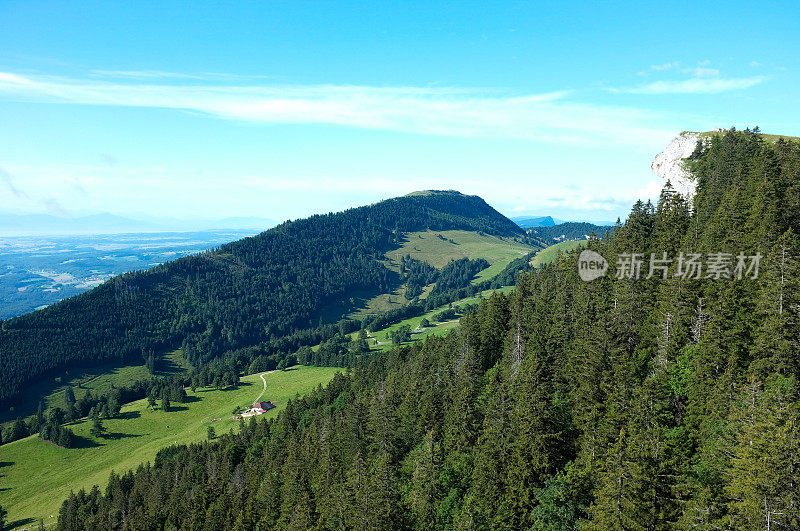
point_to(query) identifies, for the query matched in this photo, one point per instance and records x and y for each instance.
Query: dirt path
(265, 385)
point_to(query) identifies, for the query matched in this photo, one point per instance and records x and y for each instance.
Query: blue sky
(283, 109)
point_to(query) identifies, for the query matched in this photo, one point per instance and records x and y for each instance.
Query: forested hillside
(287, 280)
(620, 403)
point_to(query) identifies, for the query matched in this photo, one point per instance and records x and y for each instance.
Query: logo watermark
(591, 265)
(688, 266)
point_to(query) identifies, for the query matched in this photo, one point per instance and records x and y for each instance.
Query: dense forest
(287, 282)
(621, 403)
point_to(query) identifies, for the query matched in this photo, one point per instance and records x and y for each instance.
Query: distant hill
(294, 277)
(568, 231)
(527, 222)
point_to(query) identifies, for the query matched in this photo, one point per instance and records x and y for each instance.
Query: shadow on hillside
(191, 398)
(6, 463)
(175, 407)
(118, 436)
(229, 388)
(84, 442)
(19, 523)
(129, 415)
(238, 386)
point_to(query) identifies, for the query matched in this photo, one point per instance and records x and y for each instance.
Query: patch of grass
(439, 247)
(549, 254)
(38, 476)
(383, 303)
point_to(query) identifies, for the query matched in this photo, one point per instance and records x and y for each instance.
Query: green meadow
(549, 254)
(36, 476)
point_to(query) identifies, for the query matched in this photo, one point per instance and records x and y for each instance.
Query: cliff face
(669, 163)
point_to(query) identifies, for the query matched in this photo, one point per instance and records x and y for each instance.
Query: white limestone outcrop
(669, 164)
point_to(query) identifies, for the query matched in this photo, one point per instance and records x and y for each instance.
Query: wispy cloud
(152, 75)
(695, 85)
(665, 66)
(444, 111)
(702, 71)
(701, 79)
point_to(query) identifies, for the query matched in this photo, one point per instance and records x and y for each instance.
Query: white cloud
(421, 110)
(703, 72)
(696, 85)
(665, 66)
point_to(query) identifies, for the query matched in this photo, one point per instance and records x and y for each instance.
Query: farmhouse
(259, 408)
(263, 406)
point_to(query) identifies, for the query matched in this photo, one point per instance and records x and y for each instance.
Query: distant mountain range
(526, 222)
(45, 224)
(529, 222)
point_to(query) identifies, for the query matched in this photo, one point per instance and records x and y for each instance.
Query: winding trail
(265, 385)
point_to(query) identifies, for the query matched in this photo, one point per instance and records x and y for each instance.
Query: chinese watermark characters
(687, 266)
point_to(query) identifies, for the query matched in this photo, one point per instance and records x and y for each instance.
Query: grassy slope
(37, 476)
(429, 247)
(453, 245)
(549, 254)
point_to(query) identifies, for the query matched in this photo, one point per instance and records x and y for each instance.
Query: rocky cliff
(669, 164)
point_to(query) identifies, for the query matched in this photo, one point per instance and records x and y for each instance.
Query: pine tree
(357, 515)
(19, 429)
(97, 426)
(69, 396)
